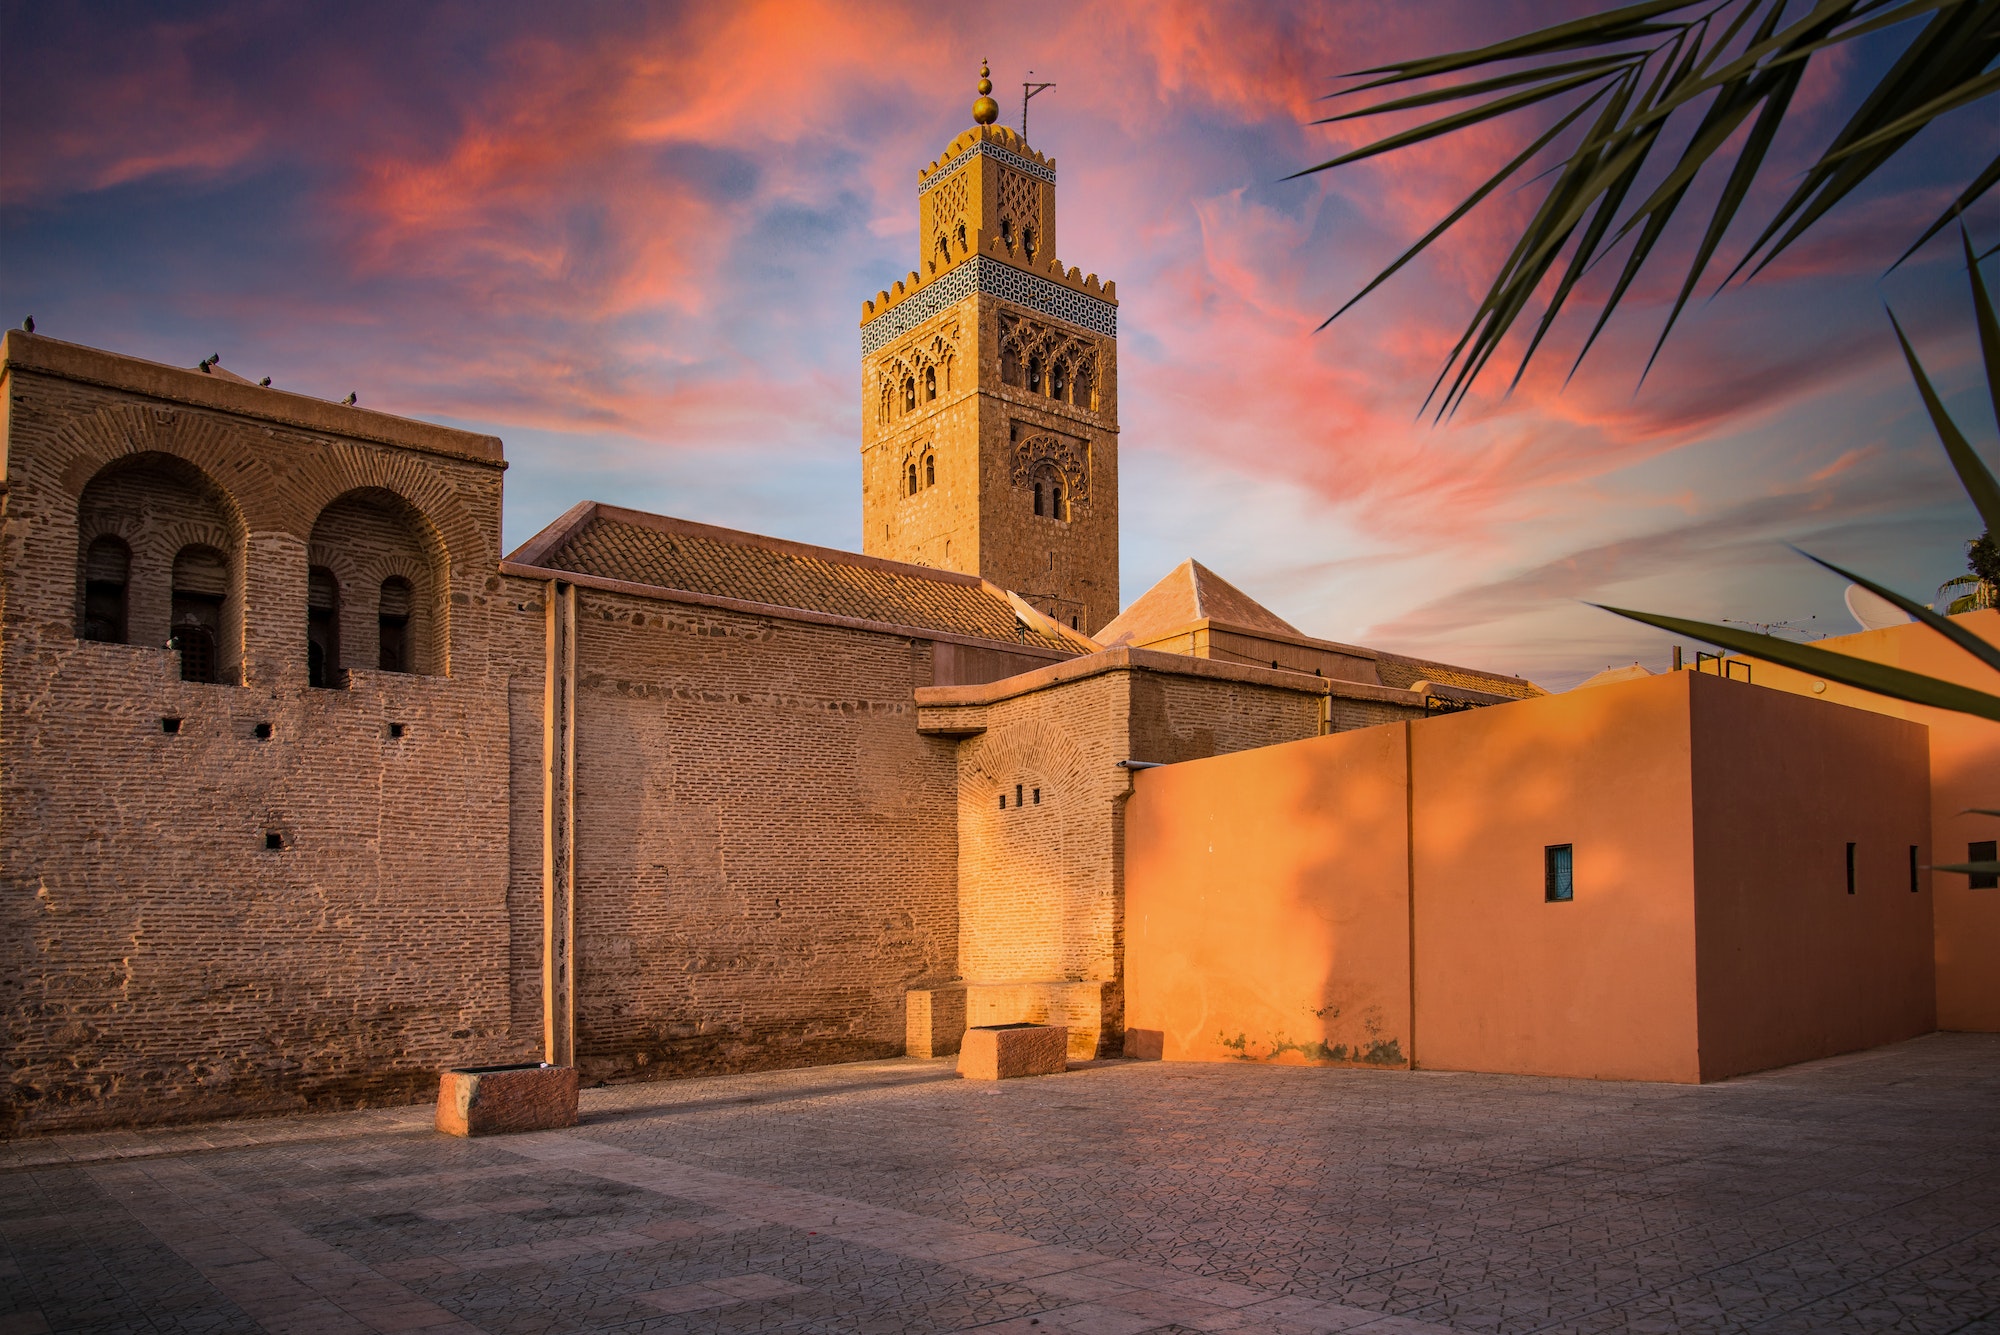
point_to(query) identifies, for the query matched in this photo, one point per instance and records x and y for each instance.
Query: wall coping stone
(39, 354)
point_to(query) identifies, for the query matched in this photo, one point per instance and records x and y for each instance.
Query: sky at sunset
(633, 240)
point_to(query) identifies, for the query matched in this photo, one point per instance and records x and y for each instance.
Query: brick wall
(1041, 884)
(160, 960)
(766, 857)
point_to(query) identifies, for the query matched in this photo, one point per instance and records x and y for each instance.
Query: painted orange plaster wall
(1266, 915)
(1965, 772)
(1602, 986)
(1790, 965)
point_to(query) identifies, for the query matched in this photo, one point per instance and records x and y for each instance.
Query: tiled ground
(1856, 1194)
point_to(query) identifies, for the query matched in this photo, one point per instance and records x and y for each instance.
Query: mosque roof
(656, 552)
(1192, 596)
(1191, 592)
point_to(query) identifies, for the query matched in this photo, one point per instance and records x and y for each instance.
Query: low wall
(1965, 772)
(1287, 903)
(1266, 909)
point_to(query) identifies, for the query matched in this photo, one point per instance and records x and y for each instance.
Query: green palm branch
(1980, 487)
(1709, 67)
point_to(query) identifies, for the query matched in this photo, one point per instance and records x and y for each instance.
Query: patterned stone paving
(1857, 1194)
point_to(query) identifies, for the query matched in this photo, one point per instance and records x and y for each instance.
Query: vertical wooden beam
(559, 828)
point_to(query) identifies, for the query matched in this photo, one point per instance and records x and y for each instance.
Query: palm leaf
(1945, 626)
(1877, 678)
(1972, 472)
(1739, 56)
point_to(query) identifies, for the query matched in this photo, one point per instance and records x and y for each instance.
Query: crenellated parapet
(996, 141)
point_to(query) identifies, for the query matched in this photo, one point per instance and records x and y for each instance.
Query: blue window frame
(1558, 883)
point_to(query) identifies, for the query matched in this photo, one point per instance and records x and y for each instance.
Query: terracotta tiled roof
(1395, 670)
(671, 555)
(1190, 592)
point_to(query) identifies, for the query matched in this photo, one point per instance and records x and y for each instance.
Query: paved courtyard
(1861, 1193)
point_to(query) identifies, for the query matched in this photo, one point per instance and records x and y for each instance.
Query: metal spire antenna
(1028, 92)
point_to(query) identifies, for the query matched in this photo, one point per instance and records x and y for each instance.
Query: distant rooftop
(678, 555)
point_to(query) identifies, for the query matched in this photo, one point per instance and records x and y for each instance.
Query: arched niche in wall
(383, 576)
(178, 536)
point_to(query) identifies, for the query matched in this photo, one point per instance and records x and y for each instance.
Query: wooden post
(558, 829)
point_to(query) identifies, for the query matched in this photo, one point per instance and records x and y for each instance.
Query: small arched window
(1080, 388)
(107, 570)
(930, 470)
(1028, 241)
(1059, 381)
(1035, 374)
(960, 234)
(393, 619)
(1007, 234)
(1056, 510)
(1038, 498)
(909, 394)
(930, 382)
(201, 582)
(322, 627)
(913, 477)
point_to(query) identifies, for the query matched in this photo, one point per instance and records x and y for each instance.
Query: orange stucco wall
(1601, 986)
(1266, 916)
(1965, 772)
(1790, 966)
(1271, 895)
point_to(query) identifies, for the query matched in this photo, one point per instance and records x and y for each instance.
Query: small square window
(170, 726)
(263, 732)
(1986, 850)
(1558, 884)
(273, 841)
(395, 732)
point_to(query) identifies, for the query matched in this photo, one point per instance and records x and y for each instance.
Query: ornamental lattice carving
(937, 353)
(1020, 205)
(998, 278)
(1040, 451)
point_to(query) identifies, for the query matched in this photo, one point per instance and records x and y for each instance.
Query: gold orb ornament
(985, 111)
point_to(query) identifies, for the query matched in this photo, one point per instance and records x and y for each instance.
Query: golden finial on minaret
(985, 111)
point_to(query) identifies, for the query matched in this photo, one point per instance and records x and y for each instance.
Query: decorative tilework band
(1041, 171)
(998, 279)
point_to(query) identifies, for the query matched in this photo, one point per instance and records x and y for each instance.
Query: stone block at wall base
(934, 1020)
(488, 1100)
(1005, 1051)
(1093, 1012)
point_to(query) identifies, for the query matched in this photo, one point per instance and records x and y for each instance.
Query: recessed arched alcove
(160, 562)
(377, 589)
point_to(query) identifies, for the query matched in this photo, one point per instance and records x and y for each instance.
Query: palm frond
(1652, 63)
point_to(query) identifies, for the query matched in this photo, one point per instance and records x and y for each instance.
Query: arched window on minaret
(1007, 234)
(1083, 387)
(909, 394)
(1038, 498)
(960, 234)
(1028, 242)
(1059, 381)
(913, 477)
(930, 383)
(930, 469)
(1035, 374)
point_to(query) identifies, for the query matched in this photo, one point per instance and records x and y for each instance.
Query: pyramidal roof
(1191, 592)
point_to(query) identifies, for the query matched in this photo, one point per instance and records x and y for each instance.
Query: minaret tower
(989, 388)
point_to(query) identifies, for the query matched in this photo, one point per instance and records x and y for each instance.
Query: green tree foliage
(1634, 82)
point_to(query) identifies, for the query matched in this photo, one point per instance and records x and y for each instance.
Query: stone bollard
(1003, 1051)
(487, 1100)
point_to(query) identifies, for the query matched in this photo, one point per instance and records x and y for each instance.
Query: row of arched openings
(160, 562)
(921, 473)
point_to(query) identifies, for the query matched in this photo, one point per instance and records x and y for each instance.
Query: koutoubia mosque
(308, 792)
